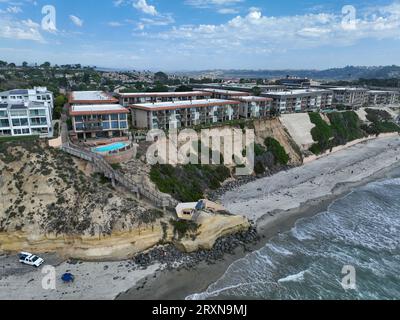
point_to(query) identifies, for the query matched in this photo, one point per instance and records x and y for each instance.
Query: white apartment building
(254, 107)
(127, 99)
(300, 100)
(183, 114)
(26, 112)
(354, 98)
(378, 98)
(225, 94)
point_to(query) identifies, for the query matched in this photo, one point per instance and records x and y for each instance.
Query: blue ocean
(361, 230)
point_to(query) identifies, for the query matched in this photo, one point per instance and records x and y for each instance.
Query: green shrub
(259, 150)
(259, 168)
(188, 182)
(346, 127)
(183, 227)
(381, 122)
(280, 155)
(321, 133)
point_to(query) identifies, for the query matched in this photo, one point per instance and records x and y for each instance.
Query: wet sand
(356, 166)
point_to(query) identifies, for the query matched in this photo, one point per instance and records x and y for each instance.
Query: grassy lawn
(20, 138)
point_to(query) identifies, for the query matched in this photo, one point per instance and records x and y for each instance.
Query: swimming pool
(111, 147)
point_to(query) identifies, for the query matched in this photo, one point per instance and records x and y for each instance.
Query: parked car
(30, 259)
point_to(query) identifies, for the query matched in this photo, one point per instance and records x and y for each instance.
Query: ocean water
(361, 230)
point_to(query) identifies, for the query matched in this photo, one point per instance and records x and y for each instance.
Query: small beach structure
(191, 210)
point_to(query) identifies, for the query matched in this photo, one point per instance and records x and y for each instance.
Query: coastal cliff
(51, 202)
(122, 245)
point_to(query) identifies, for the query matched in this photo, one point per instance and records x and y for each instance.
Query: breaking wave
(361, 230)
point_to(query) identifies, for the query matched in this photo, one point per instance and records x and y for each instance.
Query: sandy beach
(274, 202)
(277, 202)
(93, 281)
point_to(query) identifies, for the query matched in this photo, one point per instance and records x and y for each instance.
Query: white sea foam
(361, 229)
(298, 277)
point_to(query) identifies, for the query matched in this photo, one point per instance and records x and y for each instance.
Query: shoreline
(178, 284)
(165, 274)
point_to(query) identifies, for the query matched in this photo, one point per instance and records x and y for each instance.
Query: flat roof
(349, 89)
(81, 110)
(227, 92)
(86, 97)
(296, 92)
(183, 104)
(382, 91)
(252, 98)
(164, 94)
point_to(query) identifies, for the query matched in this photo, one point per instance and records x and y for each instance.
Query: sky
(177, 35)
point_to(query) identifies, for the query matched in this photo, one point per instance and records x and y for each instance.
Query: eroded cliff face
(45, 191)
(122, 245)
(275, 129)
(51, 202)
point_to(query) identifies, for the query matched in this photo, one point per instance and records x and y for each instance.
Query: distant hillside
(346, 73)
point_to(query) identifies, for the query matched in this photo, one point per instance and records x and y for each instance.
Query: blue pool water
(111, 147)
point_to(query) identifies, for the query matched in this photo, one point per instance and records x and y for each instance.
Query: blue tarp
(200, 205)
(67, 277)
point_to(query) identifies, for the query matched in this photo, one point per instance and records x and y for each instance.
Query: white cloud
(76, 21)
(114, 24)
(228, 11)
(14, 9)
(142, 5)
(210, 3)
(20, 30)
(256, 33)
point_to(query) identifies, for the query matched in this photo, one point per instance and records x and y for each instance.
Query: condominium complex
(180, 114)
(99, 121)
(350, 97)
(302, 100)
(127, 99)
(225, 94)
(26, 112)
(377, 97)
(96, 114)
(90, 97)
(254, 107)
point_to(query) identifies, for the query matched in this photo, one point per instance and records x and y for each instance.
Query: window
(106, 125)
(123, 125)
(114, 117)
(114, 125)
(40, 131)
(3, 114)
(5, 132)
(122, 116)
(4, 123)
(26, 131)
(18, 113)
(79, 126)
(38, 121)
(39, 98)
(78, 119)
(37, 112)
(105, 117)
(17, 131)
